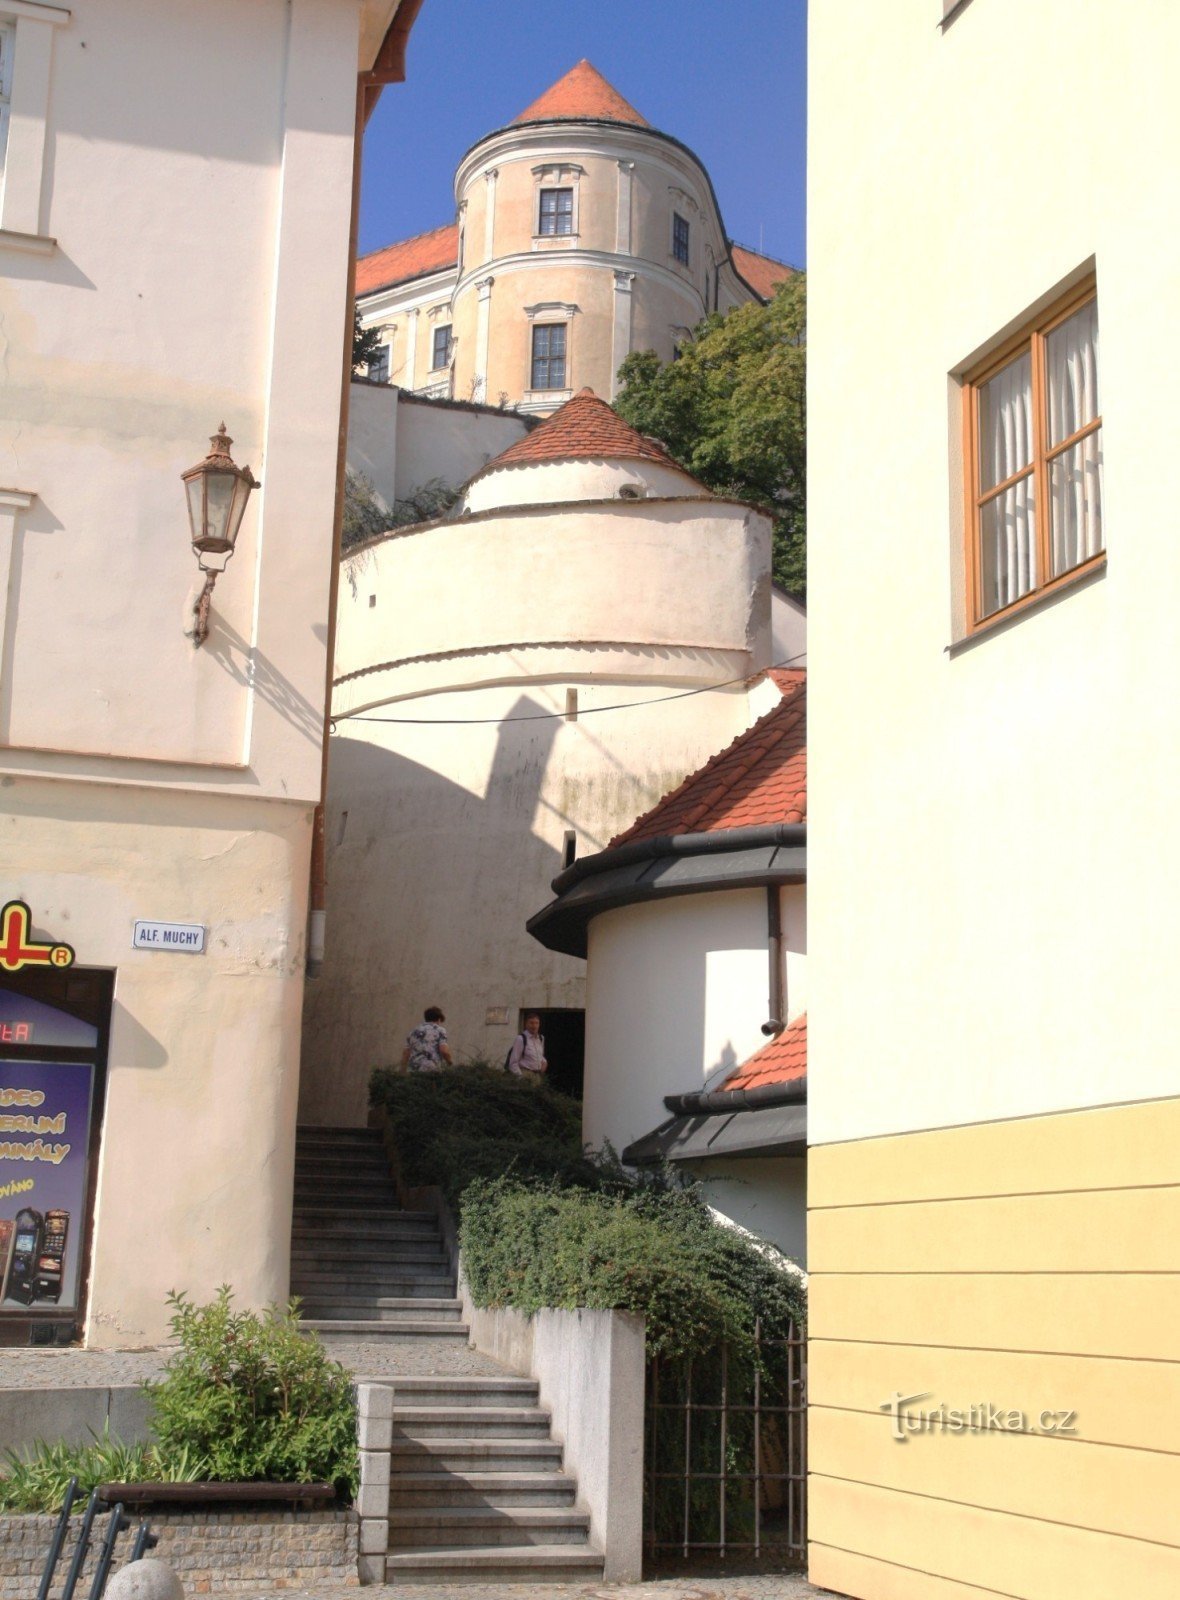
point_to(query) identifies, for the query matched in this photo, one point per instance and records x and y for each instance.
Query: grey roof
(772, 1130)
(649, 869)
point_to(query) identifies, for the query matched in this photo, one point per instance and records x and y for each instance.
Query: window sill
(1079, 578)
(555, 241)
(37, 244)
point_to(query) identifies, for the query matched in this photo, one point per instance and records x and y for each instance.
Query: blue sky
(735, 96)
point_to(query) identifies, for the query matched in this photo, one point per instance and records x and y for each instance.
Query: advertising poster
(45, 1111)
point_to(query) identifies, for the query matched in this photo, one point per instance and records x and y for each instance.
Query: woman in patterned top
(426, 1045)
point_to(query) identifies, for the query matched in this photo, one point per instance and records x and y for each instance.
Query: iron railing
(725, 1463)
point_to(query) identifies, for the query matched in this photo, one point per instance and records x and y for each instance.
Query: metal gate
(725, 1465)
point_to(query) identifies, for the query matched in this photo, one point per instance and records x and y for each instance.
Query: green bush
(660, 1254)
(38, 1480)
(481, 1122)
(253, 1398)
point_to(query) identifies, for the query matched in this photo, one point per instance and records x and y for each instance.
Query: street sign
(187, 937)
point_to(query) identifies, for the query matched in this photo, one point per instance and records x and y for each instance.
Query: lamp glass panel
(219, 501)
(238, 509)
(195, 490)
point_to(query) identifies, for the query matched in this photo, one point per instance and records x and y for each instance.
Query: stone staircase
(365, 1270)
(476, 1488)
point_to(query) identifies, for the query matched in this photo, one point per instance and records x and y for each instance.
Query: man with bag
(526, 1059)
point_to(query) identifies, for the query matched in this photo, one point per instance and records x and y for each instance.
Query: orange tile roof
(780, 1061)
(583, 429)
(759, 780)
(409, 258)
(582, 95)
(760, 272)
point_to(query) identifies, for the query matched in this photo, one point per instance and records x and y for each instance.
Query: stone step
(462, 1457)
(446, 1391)
(315, 1285)
(326, 1206)
(400, 1308)
(343, 1190)
(337, 1330)
(502, 1489)
(314, 1130)
(457, 1527)
(346, 1248)
(469, 1422)
(339, 1158)
(512, 1564)
(307, 1228)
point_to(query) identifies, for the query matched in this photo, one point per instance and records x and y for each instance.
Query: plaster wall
(788, 629)
(436, 441)
(547, 482)
(766, 1194)
(960, 820)
(401, 443)
(690, 574)
(198, 1125)
(676, 991)
(443, 840)
(113, 384)
(993, 1176)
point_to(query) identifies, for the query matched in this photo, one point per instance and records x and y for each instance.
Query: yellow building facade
(994, 1104)
(581, 233)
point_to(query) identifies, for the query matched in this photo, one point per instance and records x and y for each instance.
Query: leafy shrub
(661, 1254)
(38, 1480)
(253, 1398)
(481, 1122)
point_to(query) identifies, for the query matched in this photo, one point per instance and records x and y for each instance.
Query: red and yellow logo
(17, 947)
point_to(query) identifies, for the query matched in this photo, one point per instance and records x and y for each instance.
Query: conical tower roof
(583, 429)
(582, 95)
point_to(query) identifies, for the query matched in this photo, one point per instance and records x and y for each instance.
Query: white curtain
(1007, 522)
(1075, 476)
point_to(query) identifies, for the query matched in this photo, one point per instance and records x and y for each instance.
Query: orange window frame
(1032, 338)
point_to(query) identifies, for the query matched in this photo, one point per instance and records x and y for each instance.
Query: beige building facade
(581, 234)
(994, 1104)
(158, 797)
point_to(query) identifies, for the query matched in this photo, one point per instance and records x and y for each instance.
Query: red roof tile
(759, 780)
(410, 258)
(583, 429)
(780, 1061)
(582, 95)
(760, 272)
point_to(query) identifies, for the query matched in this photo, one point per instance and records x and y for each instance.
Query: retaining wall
(247, 1549)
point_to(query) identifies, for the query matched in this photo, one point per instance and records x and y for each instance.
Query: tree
(366, 345)
(732, 409)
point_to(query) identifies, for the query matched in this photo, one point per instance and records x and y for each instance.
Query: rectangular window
(680, 237)
(549, 356)
(378, 371)
(440, 354)
(1033, 425)
(557, 212)
(7, 38)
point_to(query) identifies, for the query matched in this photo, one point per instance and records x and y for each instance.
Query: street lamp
(217, 492)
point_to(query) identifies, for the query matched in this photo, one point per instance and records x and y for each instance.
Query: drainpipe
(777, 1020)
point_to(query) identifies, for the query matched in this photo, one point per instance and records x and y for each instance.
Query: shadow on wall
(429, 888)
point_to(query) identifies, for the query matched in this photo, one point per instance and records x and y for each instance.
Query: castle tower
(581, 233)
(515, 684)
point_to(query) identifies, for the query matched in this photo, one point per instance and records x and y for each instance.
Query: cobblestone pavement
(86, 1369)
(754, 1586)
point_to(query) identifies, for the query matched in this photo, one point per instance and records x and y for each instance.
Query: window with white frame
(557, 213)
(548, 365)
(440, 351)
(7, 40)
